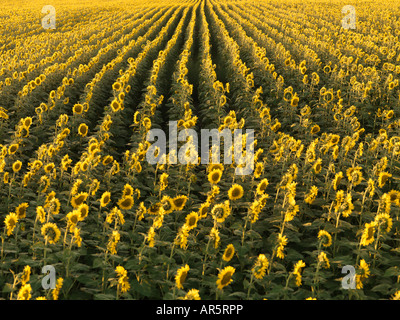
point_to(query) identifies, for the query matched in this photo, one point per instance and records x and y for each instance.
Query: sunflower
(126, 203)
(235, 192)
(214, 176)
(25, 292)
(354, 175)
(191, 220)
(40, 214)
(26, 273)
(384, 222)
(113, 241)
(154, 209)
(10, 222)
(115, 105)
(225, 277)
(13, 148)
(83, 210)
(21, 210)
(322, 258)
(317, 166)
(282, 242)
(193, 294)
(260, 266)
(312, 194)
(297, 271)
(263, 184)
(337, 179)
(128, 190)
(203, 210)
(83, 129)
(51, 232)
(214, 235)
(107, 160)
(78, 199)
(77, 108)
(179, 202)
(383, 177)
(17, 166)
(368, 234)
(228, 253)
(325, 237)
(57, 289)
(150, 237)
(123, 279)
(364, 273)
(181, 276)
(73, 218)
(105, 199)
(315, 129)
(221, 211)
(259, 169)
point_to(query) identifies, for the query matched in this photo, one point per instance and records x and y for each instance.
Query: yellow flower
(26, 273)
(181, 276)
(221, 211)
(384, 222)
(115, 105)
(228, 253)
(260, 266)
(77, 108)
(235, 192)
(57, 289)
(364, 273)
(315, 129)
(282, 242)
(322, 258)
(383, 177)
(21, 210)
(83, 129)
(179, 202)
(214, 176)
(126, 203)
(336, 180)
(13, 148)
(193, 294)
(10, 222)
(368, 234)
(105, 199)
(123, 279)
(225, 277)
(317, 166)
(312, 194)
(326, 238)
(25, 292)
(297, 271)
(17, 166)
(191, 220)
(263, 184)
(78, 199)
(51, 232)
(113, 241)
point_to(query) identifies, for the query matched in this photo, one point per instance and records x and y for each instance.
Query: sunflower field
(77, 193)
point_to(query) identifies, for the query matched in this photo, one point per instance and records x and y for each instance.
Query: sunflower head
(235, 192)
(225, 277)
(179, 202)
(181, 276)
(228, 253)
